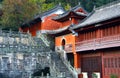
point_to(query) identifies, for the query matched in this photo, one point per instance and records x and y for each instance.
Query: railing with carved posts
(98, 43)
(20, 42)
(55, 72)
(68, 65)
(68, 48)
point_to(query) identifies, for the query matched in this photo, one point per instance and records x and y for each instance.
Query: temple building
(40, 22)
(89, 41)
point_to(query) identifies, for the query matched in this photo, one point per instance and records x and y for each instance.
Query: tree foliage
(17, 12)
(87, 4)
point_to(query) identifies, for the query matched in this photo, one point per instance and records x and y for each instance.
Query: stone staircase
(25, 44)
(60, 65)
(42, 46)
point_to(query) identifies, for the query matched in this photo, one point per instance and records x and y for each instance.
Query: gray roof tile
(100, 14)
(74, 9)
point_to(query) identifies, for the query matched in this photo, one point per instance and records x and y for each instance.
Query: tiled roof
(34, 21)
(107, 12)
(55, 31)
(50, 24)
(77, 7)
(74, 10)
(38, 17)
(66, 14)
(51, 11)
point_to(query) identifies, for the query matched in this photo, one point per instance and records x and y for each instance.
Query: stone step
(60, 65)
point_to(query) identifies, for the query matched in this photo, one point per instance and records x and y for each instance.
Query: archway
(44, 71)
(70, 58)
(63, 44)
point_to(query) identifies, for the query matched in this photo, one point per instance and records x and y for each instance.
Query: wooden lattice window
(111, 65)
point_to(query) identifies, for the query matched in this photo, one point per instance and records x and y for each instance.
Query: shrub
(113, 76)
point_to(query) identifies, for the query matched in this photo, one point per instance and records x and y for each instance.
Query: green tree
(17, 12)
(89, 4)
(43, 5)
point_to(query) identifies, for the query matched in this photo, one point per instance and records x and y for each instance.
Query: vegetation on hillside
(87, 4)
(17, 12)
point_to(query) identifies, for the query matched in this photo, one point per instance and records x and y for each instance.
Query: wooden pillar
(77, 61)
(103, 69)
(99, 33)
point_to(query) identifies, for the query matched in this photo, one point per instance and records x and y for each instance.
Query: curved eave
(69, 14)
(55, 31)
(99, 23)
(30, 23)
(46, 13)
(38, 17)
(100, 15)
(78, 7)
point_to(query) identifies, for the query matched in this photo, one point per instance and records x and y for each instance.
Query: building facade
(90, 41)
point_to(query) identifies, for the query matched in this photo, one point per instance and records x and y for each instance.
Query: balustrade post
(94, 47)
(48, 75)
(0, 31)
(42, 74)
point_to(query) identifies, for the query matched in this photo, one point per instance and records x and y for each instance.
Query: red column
(77, 60)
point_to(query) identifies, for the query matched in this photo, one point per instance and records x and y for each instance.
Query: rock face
(22, 56)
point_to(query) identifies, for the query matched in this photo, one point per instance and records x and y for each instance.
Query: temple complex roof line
(54, 31)
(58, 9)
(46, 13)
(77, 7)
(78, 10)
(32, 22)
(109, 11)
(59, 17)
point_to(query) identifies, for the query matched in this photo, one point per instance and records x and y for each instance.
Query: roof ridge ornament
(94, 8)
(70, 8)
(79, 3)
(60, 3)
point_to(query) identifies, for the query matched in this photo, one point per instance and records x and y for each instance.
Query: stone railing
(47, 39)
(48, 77)
(68, 48)
(67, 64)
(20, 42)
(55, 72)
(44, 39)
(46, 61)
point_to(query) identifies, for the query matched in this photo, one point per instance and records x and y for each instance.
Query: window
(111, 65)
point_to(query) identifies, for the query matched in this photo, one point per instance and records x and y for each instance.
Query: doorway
(70, 58)
(63, 44)
(91, 64)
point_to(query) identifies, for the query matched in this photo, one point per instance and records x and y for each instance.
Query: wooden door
(91, 64)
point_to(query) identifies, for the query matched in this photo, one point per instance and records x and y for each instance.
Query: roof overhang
(69, 14)
(30, 23)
